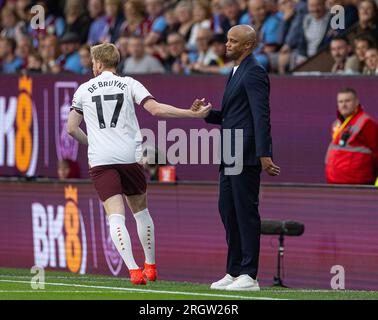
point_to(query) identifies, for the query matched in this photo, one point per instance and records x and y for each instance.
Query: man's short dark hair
(366, 37)
(348, 90)
(341, 38)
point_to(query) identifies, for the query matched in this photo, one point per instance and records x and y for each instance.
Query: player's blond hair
(107, 54)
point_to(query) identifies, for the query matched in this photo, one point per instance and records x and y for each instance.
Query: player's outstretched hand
(197, 104)
(202, 111)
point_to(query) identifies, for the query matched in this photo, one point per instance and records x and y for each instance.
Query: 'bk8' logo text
(19, 130)
(59, 234)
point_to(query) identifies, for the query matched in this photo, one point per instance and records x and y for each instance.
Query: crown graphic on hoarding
(70, 193)
(25, 84)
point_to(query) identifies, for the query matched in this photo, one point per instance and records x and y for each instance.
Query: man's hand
(268, 166)
(202, 111)
(197, 104)
(200, 108)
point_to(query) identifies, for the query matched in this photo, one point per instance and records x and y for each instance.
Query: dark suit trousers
(238, 207)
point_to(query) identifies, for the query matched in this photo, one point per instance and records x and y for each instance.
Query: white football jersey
(107, 103)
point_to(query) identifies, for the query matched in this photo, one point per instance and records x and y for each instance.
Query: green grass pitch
(15, 284)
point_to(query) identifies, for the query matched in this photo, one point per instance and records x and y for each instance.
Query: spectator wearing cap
(139, 61)
(356, 62)
(69, 60)
(177, 61)
(77, 19)
(9, 62)
(371, 62)
(98, 24)
(232, 13)
(155, 16)
(340, 50)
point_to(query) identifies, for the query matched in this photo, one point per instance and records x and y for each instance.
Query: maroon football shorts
(110, 180)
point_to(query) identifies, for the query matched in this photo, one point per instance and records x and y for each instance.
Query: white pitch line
(148, 290)
(265, 289)
(81, 277)
(57, 291)
(318, 291)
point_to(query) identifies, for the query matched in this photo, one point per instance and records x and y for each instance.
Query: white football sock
(146, 233)
(121, 239)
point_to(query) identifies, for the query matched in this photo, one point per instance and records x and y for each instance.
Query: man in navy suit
(245, 106)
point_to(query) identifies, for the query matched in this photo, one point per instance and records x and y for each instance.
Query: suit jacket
(326, 37)
(245, 105)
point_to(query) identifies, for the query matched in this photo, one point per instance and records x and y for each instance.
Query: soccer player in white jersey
(106, 103)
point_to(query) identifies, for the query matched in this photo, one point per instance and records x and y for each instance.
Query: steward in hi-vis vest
(352, 156)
